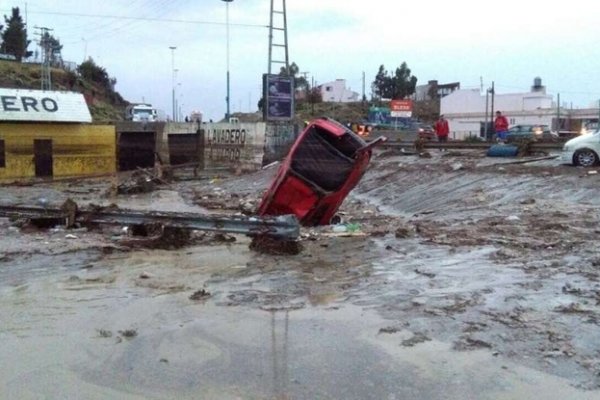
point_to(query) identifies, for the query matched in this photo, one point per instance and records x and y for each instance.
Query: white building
(337, 92)
(434, 90)
(465, 109)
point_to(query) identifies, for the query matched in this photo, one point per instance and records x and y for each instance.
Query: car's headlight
(566, 148)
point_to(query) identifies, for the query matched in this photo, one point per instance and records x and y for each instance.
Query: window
(2, 158)
(328, 89)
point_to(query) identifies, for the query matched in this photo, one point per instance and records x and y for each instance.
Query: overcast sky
(470, 42)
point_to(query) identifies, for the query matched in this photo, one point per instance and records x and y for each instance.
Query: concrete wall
(77, 149)
(172, 128)
(279, 138)
(233, 145)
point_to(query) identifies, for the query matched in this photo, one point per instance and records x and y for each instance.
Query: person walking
(500, 126)
(442, 129)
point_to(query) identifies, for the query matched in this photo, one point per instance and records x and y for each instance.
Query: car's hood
(594, 137)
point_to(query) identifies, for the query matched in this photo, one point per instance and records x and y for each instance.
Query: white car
(582, 150)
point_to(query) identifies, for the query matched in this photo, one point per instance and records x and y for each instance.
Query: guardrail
(539, 146)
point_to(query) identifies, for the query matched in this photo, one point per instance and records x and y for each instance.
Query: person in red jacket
(442, 129)
(501, 126)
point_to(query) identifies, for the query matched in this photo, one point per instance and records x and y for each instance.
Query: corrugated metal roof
(42, 106)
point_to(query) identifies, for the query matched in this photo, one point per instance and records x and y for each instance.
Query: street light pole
(175, 87)
(84, 49)
(173, 80)
(227, 28)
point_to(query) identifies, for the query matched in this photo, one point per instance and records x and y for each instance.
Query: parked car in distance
(582, 150)
(425, 131)
(536, 132)
(590, 127)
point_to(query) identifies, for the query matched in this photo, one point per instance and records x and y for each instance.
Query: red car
(426, 132)
(324, 164)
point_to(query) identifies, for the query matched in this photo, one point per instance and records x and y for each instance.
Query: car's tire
(585, 158)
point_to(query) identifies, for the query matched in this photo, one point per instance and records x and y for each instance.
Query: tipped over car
(325, 163)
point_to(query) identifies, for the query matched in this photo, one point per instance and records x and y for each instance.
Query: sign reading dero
(401, 108)
(278, 95)
(43, 106)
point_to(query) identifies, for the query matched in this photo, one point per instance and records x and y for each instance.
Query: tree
(300, 82)
(314, 96)
(404, 83)
(91, 71)
(381, 85)
(398, 86)
(14, 37)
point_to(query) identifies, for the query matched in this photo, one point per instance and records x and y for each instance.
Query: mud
(442, 281)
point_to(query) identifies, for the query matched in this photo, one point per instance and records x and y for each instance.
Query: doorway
(136, 150)
(42, 155)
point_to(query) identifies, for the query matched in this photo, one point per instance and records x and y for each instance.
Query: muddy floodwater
(461, 278)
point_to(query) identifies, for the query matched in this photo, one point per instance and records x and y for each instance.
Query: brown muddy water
(87, 325)
(470, 282)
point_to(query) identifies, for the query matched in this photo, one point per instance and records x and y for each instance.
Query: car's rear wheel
(585, 158)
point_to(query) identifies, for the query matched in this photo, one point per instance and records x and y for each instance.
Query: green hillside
(105, 104)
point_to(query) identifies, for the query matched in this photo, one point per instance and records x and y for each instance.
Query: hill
(426, 111)
(342, 112)
(105, 104)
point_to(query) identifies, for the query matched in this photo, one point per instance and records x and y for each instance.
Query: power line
(110, 28)
(151, 19)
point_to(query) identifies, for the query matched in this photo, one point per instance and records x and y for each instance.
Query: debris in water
(267, 245)
(103, 333)
(128, 333)
(200, 295)
(415, 339)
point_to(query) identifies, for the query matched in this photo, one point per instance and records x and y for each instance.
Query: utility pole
(284, 45)
(493, 93)
(364, 97)
(312, 100)
(227, 100)
(486, 123)
(173, 81)
(558, 113)
(84, 49)
(47, 50)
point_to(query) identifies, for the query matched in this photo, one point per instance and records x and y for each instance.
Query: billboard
(401, 108)
(278, 95)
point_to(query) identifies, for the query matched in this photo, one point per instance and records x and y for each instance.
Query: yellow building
(48, 134)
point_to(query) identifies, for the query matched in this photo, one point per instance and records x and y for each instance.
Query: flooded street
(466, 279)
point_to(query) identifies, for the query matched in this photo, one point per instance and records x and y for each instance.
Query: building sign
(401, 108)
(229, 145)
(278, 95)
(43, 106)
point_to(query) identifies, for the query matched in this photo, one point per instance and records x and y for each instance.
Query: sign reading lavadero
(278, 95)
(43, 106)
